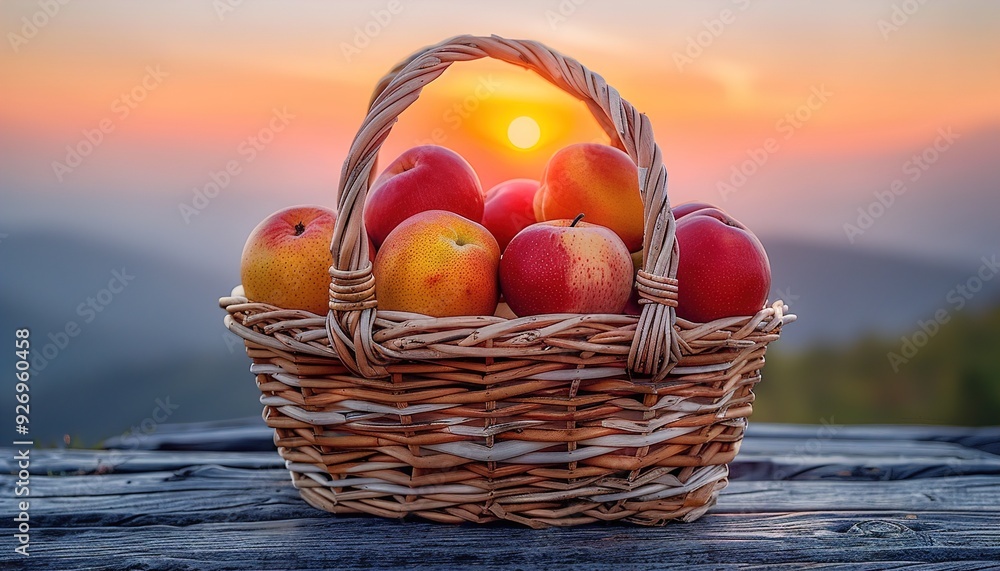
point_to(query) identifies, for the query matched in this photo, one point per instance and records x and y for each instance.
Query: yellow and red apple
(566, 266)
(286, 259)
(428, 177)
(509, 208)
(440, 264)
(598, 180)
(723, 270)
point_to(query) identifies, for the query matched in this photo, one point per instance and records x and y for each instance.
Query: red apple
(286, 260)
(598, 180)
(509, 208)
(566, 266)
(423, 178)
(723, 270)
(440, 264)
(682, 210)
(633, 307)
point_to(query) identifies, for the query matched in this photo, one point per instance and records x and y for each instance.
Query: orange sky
(749, 65)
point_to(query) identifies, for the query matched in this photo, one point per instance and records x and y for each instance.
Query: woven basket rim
(405, 330)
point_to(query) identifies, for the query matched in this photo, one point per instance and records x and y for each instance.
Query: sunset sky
(843, 94)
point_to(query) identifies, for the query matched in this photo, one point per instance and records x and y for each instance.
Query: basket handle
(655, 349)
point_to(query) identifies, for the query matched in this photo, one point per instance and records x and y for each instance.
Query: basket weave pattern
(543, 420)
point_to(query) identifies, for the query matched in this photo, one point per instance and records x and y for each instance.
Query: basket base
(530, 507)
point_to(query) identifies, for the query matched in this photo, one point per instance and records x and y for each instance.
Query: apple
(633, 307)
(566, 266)
(509, 208)
(682, 210)
(286, 259)
(598, 180)
(440, 264)
(423, 178)
(723, 270)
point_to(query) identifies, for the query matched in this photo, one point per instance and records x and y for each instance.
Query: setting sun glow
(524, 132)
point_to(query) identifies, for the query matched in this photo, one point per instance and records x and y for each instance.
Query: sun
(524, 132)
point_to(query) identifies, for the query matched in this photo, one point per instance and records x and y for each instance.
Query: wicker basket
(543, 420)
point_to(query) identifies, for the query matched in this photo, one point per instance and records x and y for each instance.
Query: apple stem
(578, 218)
(299, 229)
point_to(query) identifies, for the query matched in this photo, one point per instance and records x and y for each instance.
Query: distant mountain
(954, 378)
(114, 329)
(840, 293)
(161, 335)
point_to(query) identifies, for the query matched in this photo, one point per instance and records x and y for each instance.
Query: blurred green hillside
(953, 379)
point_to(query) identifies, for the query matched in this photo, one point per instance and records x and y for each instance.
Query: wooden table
(212, 497)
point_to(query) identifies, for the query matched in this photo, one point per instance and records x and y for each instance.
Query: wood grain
(913, 497)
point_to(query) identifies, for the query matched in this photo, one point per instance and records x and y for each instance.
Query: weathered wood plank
(73, 462)
(251, 434)
(161, 496)
(985, 438)
(769, 452)
(366, 543)
(241, 435)
(900, 448)
(846, 461)
(843, 465)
